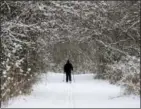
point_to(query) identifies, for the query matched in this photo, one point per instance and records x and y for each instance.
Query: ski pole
(73, 78)
(63, 77)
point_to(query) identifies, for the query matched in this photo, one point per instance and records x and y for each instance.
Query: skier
(67, 69)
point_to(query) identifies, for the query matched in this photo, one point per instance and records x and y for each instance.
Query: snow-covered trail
(85, 92)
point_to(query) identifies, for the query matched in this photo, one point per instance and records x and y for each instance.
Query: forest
(100, 37)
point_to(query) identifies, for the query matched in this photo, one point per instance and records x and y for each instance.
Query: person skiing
(67, 69)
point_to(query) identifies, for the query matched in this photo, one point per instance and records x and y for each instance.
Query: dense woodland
(101, 37)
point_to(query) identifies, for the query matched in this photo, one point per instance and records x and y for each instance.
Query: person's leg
(67, 77)
(70, 77)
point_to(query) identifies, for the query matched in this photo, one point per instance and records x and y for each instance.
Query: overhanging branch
(108, 46)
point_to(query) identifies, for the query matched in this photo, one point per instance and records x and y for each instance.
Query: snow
(83, 92)
(4, 72)
(29, 69)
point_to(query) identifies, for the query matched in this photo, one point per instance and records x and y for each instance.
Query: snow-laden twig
(9, 10)
(108, 46)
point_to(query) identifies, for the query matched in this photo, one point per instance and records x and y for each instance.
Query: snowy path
(85, 92)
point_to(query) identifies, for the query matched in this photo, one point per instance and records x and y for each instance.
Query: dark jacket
(68, 67)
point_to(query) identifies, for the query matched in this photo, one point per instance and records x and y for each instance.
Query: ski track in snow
(84, 92)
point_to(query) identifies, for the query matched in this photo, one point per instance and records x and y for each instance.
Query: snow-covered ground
(84, 92)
